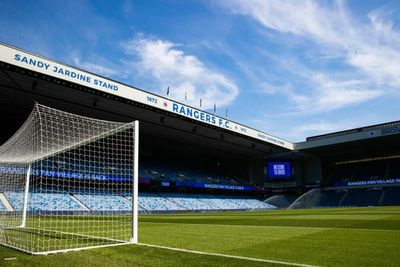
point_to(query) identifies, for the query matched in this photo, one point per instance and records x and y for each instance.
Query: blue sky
(290, 68)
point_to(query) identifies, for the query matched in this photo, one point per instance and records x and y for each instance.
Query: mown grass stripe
(229, 256)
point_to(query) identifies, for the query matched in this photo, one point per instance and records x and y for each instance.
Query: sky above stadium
(290, 68)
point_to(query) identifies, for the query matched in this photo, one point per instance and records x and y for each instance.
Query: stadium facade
(186, 149)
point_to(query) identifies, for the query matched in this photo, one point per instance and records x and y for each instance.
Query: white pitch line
(228, 256)
(283, 227)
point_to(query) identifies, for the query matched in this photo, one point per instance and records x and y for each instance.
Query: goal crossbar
(126, 126)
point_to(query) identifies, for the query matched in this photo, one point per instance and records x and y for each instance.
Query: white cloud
(302, 131)
(320, 126)
(325, 94)
(166, 64)
(370, 48)
(295, 130)
(297, 17)
(330, 94)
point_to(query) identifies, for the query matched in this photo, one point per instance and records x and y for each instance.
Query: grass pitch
(323, 237)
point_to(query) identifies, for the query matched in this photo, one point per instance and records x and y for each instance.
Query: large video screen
(279, 170)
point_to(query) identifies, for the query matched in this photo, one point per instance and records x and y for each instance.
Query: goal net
(68, 182)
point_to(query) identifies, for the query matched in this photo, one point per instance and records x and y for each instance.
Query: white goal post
(69, 182)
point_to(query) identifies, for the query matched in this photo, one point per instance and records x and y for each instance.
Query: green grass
(326, 237)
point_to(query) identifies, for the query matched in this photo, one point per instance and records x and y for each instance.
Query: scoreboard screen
(279, 170)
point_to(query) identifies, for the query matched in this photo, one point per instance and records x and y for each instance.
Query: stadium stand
(214, 202)
(329, 161)
(2, 207)
(144, 174)
(250, 203)
(317, 198)
(366, 171)
(62, 196)
(371, 170)
(281, 201)
(391, 196)
(189, 202)
(348, 197)
(148, 202)
(43, 201)
(394, 169)
(343, 172)
(104, 202)
(174, 173)
(154, 202)
(362, 197)
(163, 201)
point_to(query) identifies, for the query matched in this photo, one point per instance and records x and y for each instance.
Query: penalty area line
(228, 256)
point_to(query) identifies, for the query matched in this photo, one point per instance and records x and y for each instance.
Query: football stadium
(141, 179)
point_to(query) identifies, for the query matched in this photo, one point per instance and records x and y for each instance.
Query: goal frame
(134, 201)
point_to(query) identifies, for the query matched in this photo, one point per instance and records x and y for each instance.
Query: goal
(69, 182)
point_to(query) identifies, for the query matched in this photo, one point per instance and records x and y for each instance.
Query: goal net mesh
(68, 182)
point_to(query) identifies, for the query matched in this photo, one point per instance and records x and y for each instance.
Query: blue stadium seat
(391, 197)
(155, 202)
(362, 197)
(109, 201)
(104, 202)
(43, 201)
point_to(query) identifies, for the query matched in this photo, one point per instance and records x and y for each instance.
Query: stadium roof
(39, 64)
(216, 126)
(388, 130)
(355, 130)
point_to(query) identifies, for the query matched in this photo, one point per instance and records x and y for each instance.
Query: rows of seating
(394, 168)
(149, 202)
(391, 196)
(155, 202)
(107, 201)
(355, 197)
(281, 201)
(365, 171)
(121, 171)
(162, 172)
(43, 201)
(104, 202)
(216, 202)
(90, 169)
(362, 198)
